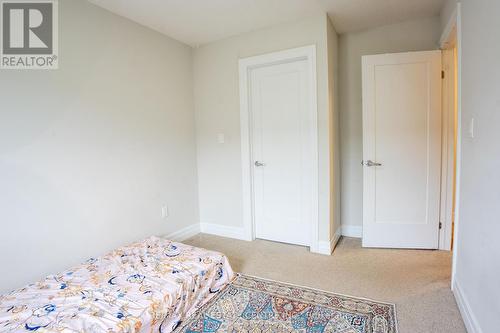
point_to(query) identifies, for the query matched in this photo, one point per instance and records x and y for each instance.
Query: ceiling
(197, 22)
(356, 15)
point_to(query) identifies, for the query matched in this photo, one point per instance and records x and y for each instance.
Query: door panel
(402, 132)
(281, 140)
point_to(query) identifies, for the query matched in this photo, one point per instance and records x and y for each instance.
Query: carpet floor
(254, 305)
(418, 282)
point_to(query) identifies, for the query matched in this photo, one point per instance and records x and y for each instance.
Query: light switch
(471, 128)
(221, 138)
(164, 211)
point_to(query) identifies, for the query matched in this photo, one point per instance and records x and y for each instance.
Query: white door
(282, 151)
(401, 150)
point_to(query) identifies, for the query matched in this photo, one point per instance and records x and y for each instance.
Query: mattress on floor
(143, 287)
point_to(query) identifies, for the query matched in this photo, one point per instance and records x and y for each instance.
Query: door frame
(448, 167)
(454, 27)
(246, 65)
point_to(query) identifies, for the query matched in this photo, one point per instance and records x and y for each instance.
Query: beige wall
(478, 227)
(90, 152)
(217, 111)
(416, 35)
(334, 110)
(447, 11)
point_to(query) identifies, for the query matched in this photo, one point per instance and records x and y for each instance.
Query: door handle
(370, 163)
(259, 164)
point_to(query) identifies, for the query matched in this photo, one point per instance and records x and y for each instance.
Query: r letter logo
(29, 34)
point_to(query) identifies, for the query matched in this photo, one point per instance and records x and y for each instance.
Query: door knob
(259, 164)
(370, 163)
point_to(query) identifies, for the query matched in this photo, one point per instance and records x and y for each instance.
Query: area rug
(254, 305)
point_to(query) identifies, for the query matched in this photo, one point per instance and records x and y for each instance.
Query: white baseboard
(327, 247)
(468, 316)
(352, 231)
(224, 231)
(184, 233)
(324, 247)
(335, 240)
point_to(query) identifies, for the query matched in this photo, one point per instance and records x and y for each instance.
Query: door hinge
(442, 74)
(440, 225)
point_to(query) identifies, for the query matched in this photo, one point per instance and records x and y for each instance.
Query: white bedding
(143, 287)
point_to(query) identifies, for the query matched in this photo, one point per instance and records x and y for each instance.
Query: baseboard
(224, 231)
(352, 231)
(184, 233)
(468, 316)
(336, 238)
(324, 247)
(327, 247)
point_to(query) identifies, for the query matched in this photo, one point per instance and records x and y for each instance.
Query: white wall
(217, 111)
(90, 152)
(334, 110)
(477, 282)
(447, 12)
(416, 35)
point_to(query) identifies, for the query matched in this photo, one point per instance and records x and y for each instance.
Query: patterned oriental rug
(255, 305)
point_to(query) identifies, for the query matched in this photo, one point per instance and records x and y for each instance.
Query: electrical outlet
(221, 138)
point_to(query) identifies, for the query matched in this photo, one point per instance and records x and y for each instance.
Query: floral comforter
(144, 287)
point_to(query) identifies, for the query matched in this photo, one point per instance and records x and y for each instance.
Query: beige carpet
(417, 281)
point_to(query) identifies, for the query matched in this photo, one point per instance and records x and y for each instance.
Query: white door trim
(455, 24)
(458, 23)
(448, 157)
(307, 53)
(450, 38)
